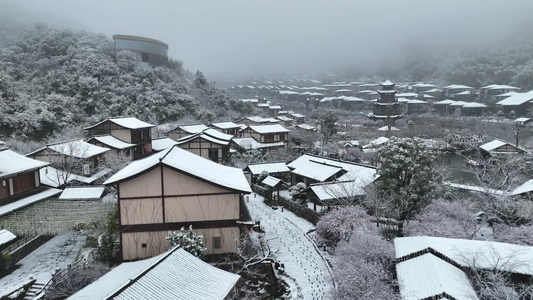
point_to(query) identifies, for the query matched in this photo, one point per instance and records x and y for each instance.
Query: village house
(297, 118)
(75, 157)
(417, 106)
(443, 106)
(257, 121)
(473, 109)
(130, 136)
(500, 147)
(311, 169)
(450, 90)
(211, 144)
(438, 268)
(423, 87)
(489, 92)
(267, 133)
(182, 131)
(173, 189)
(278, 170)
(20, 182)
(273, 110)
(227, 127)
(285, 121)
(519, 103)
(175, 274)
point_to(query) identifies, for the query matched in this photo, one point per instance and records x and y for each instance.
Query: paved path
(41, 263)
(307, 271)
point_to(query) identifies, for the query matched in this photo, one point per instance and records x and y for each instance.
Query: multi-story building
(147, 51)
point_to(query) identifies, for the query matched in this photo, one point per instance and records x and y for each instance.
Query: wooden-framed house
(172, 189)
(210, 143)
(127, 136)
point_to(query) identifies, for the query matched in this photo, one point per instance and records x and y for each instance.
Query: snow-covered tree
(264, 174)
(297, 192)
(188, 240)
(362, 268)
(451, 219)
(408, 179)
(328, 125)
(339, 223)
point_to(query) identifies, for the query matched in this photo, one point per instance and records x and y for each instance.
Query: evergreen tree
(408, 179)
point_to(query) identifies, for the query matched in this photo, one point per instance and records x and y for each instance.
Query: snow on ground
(307, 272)
(41, 263)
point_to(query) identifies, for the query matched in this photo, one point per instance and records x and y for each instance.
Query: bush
(91, 242)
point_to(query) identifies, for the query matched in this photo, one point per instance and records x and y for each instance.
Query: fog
(233, 39)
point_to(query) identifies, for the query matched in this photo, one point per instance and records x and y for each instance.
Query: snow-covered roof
(445, 102)
(416, 101)
(526, 187)
(6, 236)
(256, 169)
(426, 96)
(474, 105)
(218, 135)
(112, 142)
(54, 178)
(225, 125)
(250, 143)
(193, 128)
(335, 190)
(12, 163)
(189, 163)
(76, 148)
(493, 145)
(363, 173)
(274, 107)
(131, 123)
(426, 275)
(306, 126)
(471, 253)
(128, 122)
(458, 103)
(386, 128)
(262, 129)
(271, 181)
(501, 87)
(508, 94)
(457, 87)
(284, 118)
(522, 120)
(162, 143)
(403, 95)
(257, 119)
(517, 99)
(297, 115)
(342, 91)
(254, 100)
(174, 275)
(202, 135)
(434, 91)
(93, 192)
(376, 143)
(5, 209)
(316, 170)
(424, 85)
(464, 93)
(401, 100)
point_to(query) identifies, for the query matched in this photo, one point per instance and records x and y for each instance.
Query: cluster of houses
(413, 98)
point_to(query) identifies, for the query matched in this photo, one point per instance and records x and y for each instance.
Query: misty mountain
(52, 79)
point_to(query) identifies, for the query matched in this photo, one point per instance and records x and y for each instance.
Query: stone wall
(54, 216)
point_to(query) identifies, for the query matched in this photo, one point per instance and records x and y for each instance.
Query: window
(217, 242)
(269, 138)
(213, 155)
(143, 245)
(144, 57)
(23, 182)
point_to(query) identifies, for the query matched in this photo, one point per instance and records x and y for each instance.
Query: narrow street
(306, 270)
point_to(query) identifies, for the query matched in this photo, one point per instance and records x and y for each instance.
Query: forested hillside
(52, 79)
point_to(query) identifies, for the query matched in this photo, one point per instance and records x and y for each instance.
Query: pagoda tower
(386, 108)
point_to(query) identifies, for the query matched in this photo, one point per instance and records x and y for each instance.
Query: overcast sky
(236, 38)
